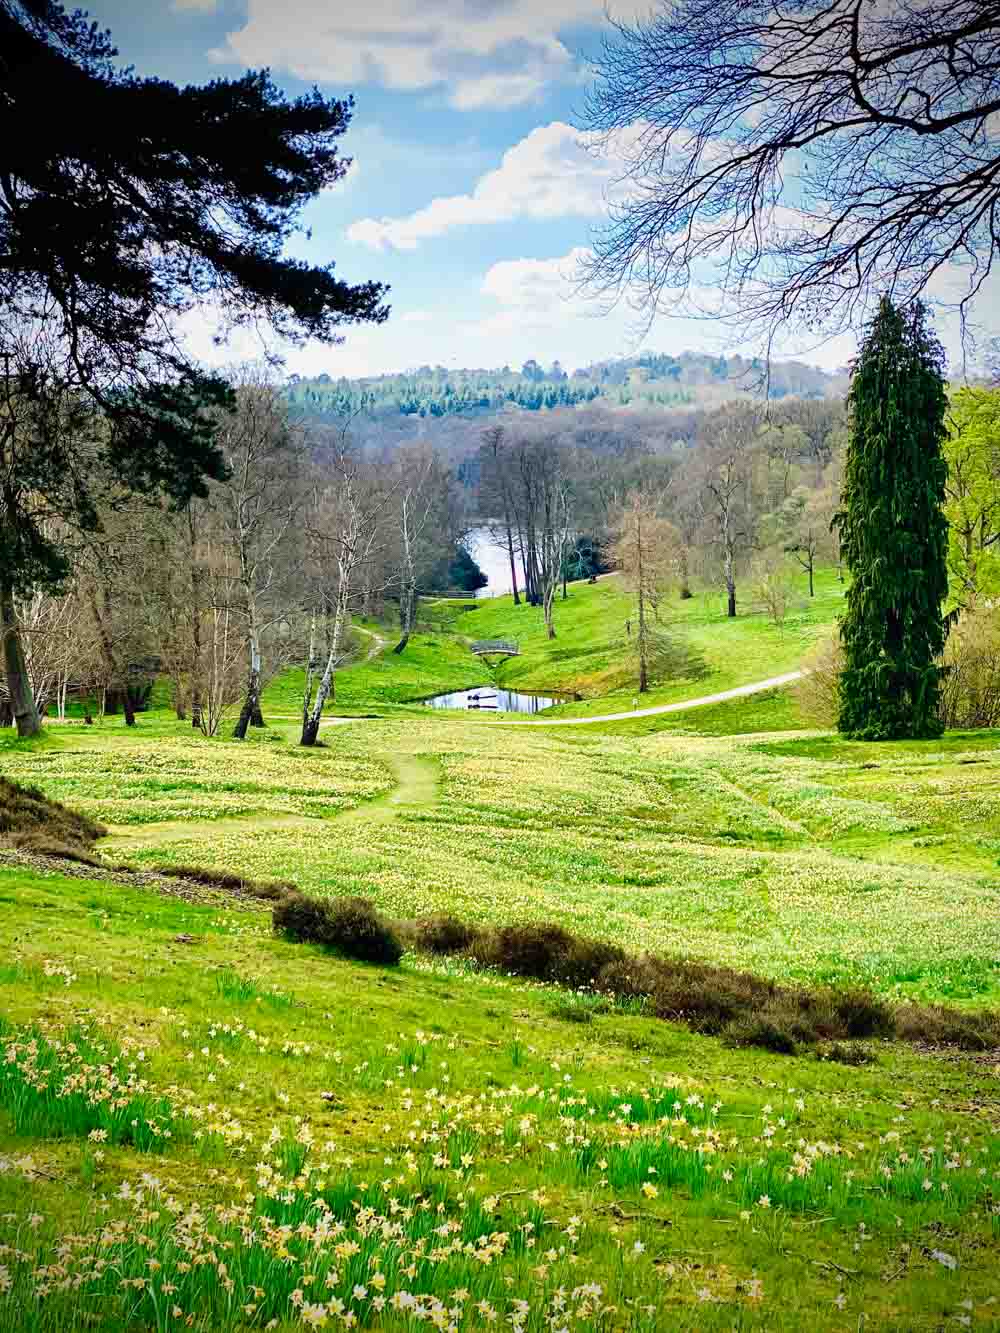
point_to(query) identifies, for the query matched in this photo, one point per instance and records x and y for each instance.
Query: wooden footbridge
(496, 651)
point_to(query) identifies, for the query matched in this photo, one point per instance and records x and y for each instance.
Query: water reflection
(488, 699)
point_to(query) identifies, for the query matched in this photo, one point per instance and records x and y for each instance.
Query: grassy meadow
(206, 1126)
(589, 655)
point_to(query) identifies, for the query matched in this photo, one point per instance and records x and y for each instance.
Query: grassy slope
(827, 1197)
(797, 857)
(589, 656)
(431, 664)
(791, 852)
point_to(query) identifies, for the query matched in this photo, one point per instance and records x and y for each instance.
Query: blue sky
(471, 193)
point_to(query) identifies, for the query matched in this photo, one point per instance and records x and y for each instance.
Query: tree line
(309, 526)
(434, 392)
(716, 495)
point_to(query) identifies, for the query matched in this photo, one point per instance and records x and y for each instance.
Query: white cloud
(543, 303)
(484, 53)
(539, 287)
(554, 172)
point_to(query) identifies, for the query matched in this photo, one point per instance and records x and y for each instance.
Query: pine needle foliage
(893, 531)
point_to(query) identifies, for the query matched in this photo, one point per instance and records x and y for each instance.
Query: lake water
(493, 560)
(488, 699)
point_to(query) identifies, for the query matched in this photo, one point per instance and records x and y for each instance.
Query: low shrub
(817, 692)
(351, 926)
(745, 1009)
(584, 961)
(546, 952)
(970, 681)
(445, 934)
(846, 1053)
(359, 932)
(43, 844)
(271, 890)
(707, 998)
(531, 950)
(304, 919)
(772, 1032)
(629, 978)
(862, 1013)
(33, 823)
(937, 1025)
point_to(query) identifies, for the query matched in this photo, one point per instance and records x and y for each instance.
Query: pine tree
(126, 204)
(893, 531)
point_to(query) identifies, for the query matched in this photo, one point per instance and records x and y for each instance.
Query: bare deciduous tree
(256, 508)
(346, 530)
(729, 438)
(644, 551)
(806, 155)
(495, 494)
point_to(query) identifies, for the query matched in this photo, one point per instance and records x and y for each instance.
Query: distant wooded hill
(648, 379)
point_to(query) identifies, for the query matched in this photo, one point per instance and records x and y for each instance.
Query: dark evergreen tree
(893, 532)
(124, 204)
(458, 569)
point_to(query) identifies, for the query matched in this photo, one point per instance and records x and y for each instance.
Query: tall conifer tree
(893, 532)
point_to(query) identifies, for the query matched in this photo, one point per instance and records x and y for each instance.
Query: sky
(471, 192)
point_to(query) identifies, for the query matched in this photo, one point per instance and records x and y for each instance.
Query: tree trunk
(311, 718)
(6, 713)
(529, 592)
(408, 591)
(730, 585)
(550, 593)
(18, 685)
(406, 606)
(513, 565)
(196, 698)
(251, 703)
(812, 590)
(640, 581)
(197, 579)
(685, 575)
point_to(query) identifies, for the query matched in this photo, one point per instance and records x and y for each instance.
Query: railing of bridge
(487, 647)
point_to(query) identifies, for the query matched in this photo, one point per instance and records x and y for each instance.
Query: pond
(488, 699)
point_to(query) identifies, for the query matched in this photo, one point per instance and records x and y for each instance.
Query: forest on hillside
(649, 379)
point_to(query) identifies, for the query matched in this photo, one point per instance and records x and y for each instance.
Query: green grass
(349, 1134)
(431, 664)
(699, 1187)
(792, 854)
(589, 655)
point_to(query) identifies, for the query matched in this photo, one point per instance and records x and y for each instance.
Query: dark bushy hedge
(445, 934)
(746, 1010)
(359, 932)
(547, 952)
(30, 821)
(351, 926)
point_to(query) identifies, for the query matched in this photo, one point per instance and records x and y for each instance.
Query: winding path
(740, 691)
